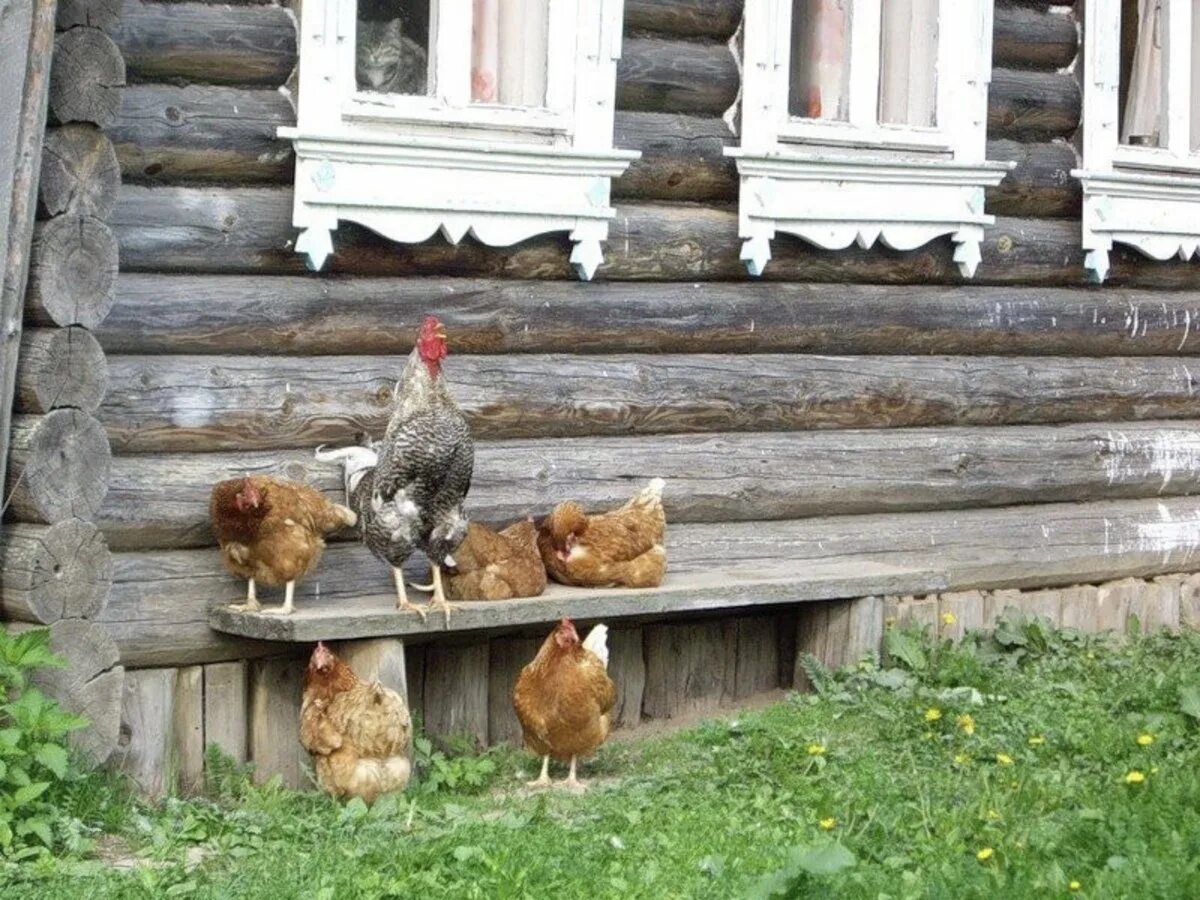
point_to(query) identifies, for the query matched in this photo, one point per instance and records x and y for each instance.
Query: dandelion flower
(1004, 759)
(932, 714)
(967, 724)
(828, 824)
(1145, 740)
(985, 854)
(1074, 886)
(1036, 741)
(948, 618)
(1135, 777)
(961, 759)
(816, 749)
(889, 621)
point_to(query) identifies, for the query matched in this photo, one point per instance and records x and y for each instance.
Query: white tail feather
(354, 460)
(597, 642)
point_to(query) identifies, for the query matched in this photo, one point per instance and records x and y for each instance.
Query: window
(493, 117)
(1141, 129)
(865, 120)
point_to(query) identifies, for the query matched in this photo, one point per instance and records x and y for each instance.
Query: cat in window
(389, 61)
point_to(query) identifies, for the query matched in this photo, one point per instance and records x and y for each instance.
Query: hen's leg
(572, 783)
(542, 780)
(439, 600)
(251, 604)
(402, 601)
(289, 595)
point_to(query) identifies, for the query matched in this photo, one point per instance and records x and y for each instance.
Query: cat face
(379, 53)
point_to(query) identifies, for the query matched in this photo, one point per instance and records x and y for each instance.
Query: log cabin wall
(859, 383)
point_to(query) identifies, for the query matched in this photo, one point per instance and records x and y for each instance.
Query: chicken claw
(439, 600)
(402, 601)
(543, 780)
(571, 782)
(288, 606)
(251, 604)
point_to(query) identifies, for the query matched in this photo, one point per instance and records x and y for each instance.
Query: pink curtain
(820, 82)
(485, 50)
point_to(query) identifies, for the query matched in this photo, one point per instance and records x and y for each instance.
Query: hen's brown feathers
(281, 537)
(621, 548)
(496, 565)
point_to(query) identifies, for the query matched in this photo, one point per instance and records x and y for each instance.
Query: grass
(1030, 793)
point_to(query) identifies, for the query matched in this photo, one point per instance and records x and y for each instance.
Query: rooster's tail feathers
(597, 642)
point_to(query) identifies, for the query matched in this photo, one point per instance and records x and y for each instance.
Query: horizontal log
(193, 404)
(1029, 37)
(63, 571)
(1032, 105)
(59, 465)
(347, 316)
(731, 477)
(93, 13)
(80, 174)
(657, 75)
(207, 42)
(72, 271)
(60, 367)
(715, 19)
(158, 610)
(210, 133)
(86, 77)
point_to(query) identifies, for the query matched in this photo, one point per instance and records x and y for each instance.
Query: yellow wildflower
(1074, 886)
(967, 724)
(985, 854)
(932, 714)
(816, 749)
(1004, 759)
(1145, 740)
(1036, 741)
(948, 618)
(1135, 777)
(828, 824)
(889, 621)
(961, 759)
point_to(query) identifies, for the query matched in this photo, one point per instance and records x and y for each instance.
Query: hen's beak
(440, 330)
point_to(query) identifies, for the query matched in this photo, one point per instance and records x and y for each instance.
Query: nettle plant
(33, 751)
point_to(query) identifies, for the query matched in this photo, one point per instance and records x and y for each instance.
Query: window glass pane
(1142, 36)
(908, 39)
(393, 40)
(509, 50)
(820, 72)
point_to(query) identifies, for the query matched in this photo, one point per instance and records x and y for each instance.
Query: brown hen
(622, 548)
(564, 698)
(359, 734)
(272, 531)
(497, 565)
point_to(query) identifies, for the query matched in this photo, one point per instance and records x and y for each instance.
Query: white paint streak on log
(1164, 455)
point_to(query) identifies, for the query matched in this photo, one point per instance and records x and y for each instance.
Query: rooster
(427, 457)
(273, 531)
(564, 699)
(359, 734)
(621, 548)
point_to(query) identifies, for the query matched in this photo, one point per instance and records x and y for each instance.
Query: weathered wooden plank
(456, 692)
(56, 572)
(147, 724)
(1189, 601)
(1079, 605)
(93, 13)
(689, 668)
(226, 714)
(1113, 603)
(219, 44)
(59, 465)
(684, 18)
(276, 686)
(508, 655)
(248, 230)
(80, 173)
(160, 501)
(1034, 37)
(86, 79)
(240, 403)
(73, 271)
(60, 367)
(318, 316)
(967, 609)
(187, 727)
(756, 656)
(379, 659)
(627, 668)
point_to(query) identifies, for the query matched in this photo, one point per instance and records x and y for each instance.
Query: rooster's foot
(402, 601)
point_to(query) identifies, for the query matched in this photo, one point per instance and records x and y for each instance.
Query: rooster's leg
(289, 594)
(572, 783)
(542, 780)
(251, 604)
(439, 600)
(402, 601)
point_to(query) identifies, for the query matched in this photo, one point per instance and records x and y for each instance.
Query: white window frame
(1144, 197)
(837, 183)
(409, 166)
